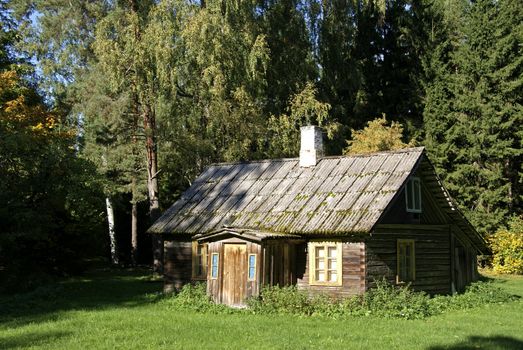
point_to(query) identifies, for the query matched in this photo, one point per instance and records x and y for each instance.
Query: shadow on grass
(28, 340)
(99, 289)
(485, 343)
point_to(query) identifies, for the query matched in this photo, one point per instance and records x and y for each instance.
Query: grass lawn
(118, 310)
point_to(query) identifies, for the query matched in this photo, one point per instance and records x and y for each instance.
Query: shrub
(385, 301)
(507, 246)
(477, 294)
(281, 300)
(194, 297)
(389, 301)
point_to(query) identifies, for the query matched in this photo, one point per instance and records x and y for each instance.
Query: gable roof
(340, 195)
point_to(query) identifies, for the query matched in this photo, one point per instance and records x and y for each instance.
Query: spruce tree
(473, 113)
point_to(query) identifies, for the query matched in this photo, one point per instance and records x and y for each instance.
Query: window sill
(329, 284)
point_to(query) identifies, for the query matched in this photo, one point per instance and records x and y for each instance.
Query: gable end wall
(432, 257)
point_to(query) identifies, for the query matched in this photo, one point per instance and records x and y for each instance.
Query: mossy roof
(340, 195)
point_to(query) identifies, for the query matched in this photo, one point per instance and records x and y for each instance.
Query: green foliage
(58, 35)
(473, 111)
(389, 301)
(375, 137)
(477, 294)
(194, 298)
(49, 220)
(304, 109)
(281, 300)
(507, 248)
(383, 301)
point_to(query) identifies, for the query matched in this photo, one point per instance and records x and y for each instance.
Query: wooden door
(234, 274)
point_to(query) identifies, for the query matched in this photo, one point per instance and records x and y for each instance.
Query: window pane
(333, 276)
(320, 264)
(320, 252)
(320, 276)
(214, 265)
(331, 252)
(406, 261)
(252, 266)
(417, 195)
(200, 266)
(332, 264)
(409, 194)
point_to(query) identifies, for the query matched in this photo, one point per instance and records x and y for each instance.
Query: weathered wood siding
(215, 287)
(280, 263)
(177, 264)
(432, 256)
(353, 271)
(431, 212)
(464, 260)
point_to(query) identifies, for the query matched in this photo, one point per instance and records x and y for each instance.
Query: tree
(473, 112)
(58, 35)
(303, 109)
(50, 210)
(291, 62)
(111, 134)
(134, 49)
(376, 137)
(507, 248)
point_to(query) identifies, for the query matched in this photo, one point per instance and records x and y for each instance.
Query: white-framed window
(251, 268)
(413, 195)
(199, 260)
(325, 262)
(215, 259)
(406, 266)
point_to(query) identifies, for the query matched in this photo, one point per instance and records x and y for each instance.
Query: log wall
(353, 272)
(432, 256)
(280, 263)
(177, 264)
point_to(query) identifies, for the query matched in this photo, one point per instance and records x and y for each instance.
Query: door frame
(239, 281)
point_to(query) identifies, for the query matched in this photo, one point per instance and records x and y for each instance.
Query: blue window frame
(252, 267)
(214, 265)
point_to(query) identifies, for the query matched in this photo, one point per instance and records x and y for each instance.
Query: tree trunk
(134, 224)
(112, 235)
(149, 124)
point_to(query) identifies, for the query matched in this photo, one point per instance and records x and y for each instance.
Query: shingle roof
(339, 195)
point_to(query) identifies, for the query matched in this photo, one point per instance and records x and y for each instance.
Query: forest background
(109, 109)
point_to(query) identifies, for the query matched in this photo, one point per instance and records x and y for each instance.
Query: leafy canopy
(375, 137)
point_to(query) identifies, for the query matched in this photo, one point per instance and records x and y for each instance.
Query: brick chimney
(311, 147)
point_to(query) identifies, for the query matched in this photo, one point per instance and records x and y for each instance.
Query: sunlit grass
(120, 310)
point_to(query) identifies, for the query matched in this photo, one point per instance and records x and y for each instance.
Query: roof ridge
(359, 155)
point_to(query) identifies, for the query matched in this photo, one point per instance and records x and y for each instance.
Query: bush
(507, 246)
(477, 294)
(194, 297)
(385, 301)
(281, 300)
(389, 301)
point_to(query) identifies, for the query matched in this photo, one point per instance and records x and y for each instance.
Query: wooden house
(326, 224)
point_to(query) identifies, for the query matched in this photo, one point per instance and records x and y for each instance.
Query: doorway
(234, 274)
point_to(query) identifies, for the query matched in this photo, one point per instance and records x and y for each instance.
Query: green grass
(121, 310)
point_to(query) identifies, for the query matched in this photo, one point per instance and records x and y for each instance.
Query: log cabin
(330, 225)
